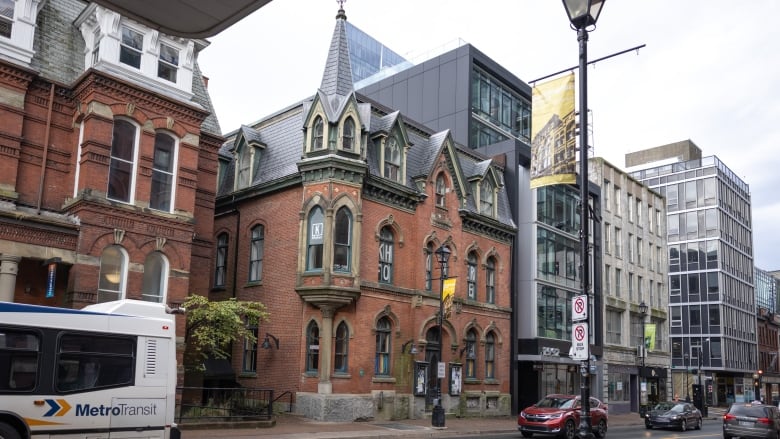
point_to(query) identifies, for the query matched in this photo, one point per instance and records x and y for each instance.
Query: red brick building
(109, 158)
(330, 212)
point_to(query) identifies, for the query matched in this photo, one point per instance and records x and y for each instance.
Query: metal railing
(224, 404)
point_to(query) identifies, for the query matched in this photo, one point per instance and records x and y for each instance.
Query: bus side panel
(138, 418)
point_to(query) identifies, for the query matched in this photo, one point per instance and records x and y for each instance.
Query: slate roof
(59, 53)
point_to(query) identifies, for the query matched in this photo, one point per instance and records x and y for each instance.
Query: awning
(185, 18)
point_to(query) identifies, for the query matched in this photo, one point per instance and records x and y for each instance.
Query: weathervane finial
(341, 3)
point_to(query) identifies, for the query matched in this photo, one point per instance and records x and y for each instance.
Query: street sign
(579, 341)
(579, 308)
(442, 370)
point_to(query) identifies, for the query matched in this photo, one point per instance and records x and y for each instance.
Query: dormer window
(168, 64)
(486, 198)
(131, 47)
(317, 133)
(348, 138)
(6, 17)
(392, 159)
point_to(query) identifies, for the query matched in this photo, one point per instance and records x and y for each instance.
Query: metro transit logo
(59, 407)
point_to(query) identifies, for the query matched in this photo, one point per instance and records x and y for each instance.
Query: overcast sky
(710, 71)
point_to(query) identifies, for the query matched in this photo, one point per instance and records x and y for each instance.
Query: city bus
(105, 371)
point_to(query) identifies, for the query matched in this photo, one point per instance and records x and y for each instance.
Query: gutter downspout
(235, 250)
(46, 138)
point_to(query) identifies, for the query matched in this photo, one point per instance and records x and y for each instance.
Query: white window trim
(20, 46)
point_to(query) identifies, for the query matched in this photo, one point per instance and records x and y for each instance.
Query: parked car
(746, 419)
(559, 415)
(682, 415)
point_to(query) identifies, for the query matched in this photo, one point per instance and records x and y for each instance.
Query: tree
(212, 326)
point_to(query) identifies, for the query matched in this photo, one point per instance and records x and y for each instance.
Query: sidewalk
(289, 426)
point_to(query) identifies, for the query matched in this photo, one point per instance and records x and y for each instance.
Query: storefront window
(619, 387)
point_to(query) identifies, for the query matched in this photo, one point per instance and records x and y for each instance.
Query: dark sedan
(682, 415)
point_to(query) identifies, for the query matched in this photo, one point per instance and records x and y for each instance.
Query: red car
(559, 415)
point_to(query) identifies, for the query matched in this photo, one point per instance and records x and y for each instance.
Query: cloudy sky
(710, 71)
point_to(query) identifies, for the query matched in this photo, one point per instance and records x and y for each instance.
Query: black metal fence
(224, 404)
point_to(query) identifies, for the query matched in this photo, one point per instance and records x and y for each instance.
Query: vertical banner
(51, 279)
(553, 133)
(447, 295)
(650, 336)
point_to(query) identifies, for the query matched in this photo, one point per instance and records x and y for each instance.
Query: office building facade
(712, 301)
(634, 273)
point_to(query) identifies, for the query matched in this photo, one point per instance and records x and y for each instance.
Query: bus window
(88, 362)
(18, 360)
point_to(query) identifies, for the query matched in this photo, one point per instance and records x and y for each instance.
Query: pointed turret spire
(337, 78)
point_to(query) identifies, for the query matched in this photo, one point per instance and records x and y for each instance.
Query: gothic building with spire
(334, 213)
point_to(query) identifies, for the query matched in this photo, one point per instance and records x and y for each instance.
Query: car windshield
(555, 402)
(679, 408)
(663, 406)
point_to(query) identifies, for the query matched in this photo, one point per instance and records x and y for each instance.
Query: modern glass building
(766, 290)
(367, 56)
(712, 301)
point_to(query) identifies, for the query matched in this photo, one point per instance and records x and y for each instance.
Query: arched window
(386, 249)
(441, 190)
(317, 134)
(486, 196)
(348, 139)
(471, 280)
(490, 280)
(490, 356)
(220, 270)
(113, 268)
(392, 159)
(471, 354)
(383, 332)
(342, 348)
(342, 240)
(312, 347)
(256, 253)
(429, 266)
(314, 251)
(155, 281)
(121, 173)
(163, 172)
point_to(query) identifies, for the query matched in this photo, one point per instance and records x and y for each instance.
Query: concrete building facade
(634, 272)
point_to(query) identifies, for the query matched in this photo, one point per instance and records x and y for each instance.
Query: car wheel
(726, 436)
(648, 426)
(601, 429)
(569, 430)
(698, 424)
(683, 425)
(526, 433)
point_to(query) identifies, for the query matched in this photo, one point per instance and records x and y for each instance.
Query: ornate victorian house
(109, 158)
(330, 212)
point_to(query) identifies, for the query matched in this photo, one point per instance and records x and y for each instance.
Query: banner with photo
(447, 295)
(553, 133)
(650, 336)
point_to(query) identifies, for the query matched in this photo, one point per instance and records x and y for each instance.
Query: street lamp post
(643, 312)
(442, 256)
(583, 14)
(687, 372)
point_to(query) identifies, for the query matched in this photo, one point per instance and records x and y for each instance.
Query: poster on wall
(420, 378)
(456, 379)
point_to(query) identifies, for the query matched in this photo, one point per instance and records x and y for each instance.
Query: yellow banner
(553, 138)
(447, 294)
(650, 336)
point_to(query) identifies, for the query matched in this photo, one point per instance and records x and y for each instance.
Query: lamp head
(583, 13)
(266, 343)
(643, 308)
(443, 254)
(413, 350)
